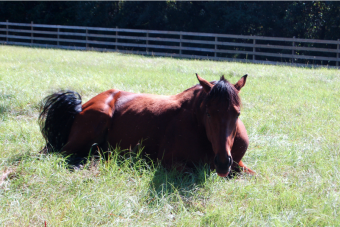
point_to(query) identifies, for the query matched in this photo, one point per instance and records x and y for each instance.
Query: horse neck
(191, 99)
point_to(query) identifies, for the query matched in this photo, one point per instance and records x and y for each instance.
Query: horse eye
(208, 114)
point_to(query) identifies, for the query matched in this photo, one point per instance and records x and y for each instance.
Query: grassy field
(292, 116)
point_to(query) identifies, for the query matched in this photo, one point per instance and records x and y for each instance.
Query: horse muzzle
(223, 168)
(223, 174)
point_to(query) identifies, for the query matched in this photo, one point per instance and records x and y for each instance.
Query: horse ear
(241, 82)
(204, 83)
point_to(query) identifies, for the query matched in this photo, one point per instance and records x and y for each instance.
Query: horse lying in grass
(199, 125)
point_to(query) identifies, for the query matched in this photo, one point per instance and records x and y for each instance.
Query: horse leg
(92, 124)
(245, 168)
(239, 148)
(88, 128)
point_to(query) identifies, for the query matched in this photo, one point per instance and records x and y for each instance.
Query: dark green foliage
(318, 20)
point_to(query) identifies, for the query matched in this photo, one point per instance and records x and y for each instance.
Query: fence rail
(257, 49)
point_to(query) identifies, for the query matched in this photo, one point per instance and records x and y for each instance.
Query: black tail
(56, 118)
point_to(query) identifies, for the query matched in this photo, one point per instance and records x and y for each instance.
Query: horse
(198, 125)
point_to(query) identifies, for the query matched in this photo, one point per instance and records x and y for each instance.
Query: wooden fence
(256, 49)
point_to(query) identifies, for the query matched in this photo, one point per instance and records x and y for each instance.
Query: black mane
(222, 89)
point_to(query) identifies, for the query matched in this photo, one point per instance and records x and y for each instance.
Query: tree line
(312, 19)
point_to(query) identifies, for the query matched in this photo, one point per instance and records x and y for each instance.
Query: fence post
(31, 32)
(215, 47)
(337, 54)
(147, 41)
(180, 43)
(6, 31)
(116, 38)
(87, 45)
(58, 36)
(293, 51)
(254, 49)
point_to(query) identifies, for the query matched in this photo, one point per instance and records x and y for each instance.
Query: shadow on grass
(179, 189)
(172, 180)
(73, 162)
(135, 160)
(163, 182)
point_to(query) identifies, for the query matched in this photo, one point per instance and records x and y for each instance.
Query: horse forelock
(224, 91)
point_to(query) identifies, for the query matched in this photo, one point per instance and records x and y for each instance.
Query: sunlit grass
(292, 116)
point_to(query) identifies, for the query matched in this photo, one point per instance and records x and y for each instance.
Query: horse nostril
(230, 160)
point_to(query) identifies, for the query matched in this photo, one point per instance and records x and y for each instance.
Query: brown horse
(198, 125)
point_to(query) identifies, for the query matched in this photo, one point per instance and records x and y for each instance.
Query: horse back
(143, 118)
(103, 102)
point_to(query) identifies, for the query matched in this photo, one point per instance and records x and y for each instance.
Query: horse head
(220, 110)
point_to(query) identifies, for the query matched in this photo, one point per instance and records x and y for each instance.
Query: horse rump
(57, 113)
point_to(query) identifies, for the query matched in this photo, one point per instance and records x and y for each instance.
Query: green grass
(292, 116)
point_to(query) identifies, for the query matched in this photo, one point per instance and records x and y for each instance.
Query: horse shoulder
(183, 140)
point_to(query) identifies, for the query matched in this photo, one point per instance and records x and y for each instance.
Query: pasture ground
(292, 116)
